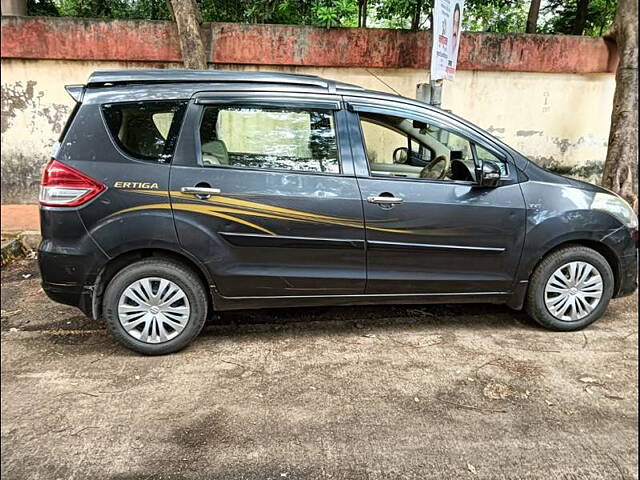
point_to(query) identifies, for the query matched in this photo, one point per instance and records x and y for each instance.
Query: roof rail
(113, 77)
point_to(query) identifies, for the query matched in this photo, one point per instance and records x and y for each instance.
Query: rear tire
(155, 306)
(560, 299)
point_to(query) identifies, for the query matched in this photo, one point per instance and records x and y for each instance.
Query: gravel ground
(432, 392)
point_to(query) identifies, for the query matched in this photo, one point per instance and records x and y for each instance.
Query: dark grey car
(175, 193)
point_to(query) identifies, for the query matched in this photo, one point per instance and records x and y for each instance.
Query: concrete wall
(557, 112)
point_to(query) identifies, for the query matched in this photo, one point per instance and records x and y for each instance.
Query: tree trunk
(620, 169)
(581, 17)
(415, 21)
(532, 19)
(364, 14)
(188, 20)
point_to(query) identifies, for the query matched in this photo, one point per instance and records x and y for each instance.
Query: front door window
(404, 148)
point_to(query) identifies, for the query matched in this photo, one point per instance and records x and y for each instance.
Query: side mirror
(400, 155)
(489, 174)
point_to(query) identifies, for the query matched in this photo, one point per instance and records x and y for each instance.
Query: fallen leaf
(549, 403)
(472, 469)
(589, 380)
(497, 391)
(614, 396)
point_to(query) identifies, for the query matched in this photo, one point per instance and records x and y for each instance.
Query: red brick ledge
(231, 43)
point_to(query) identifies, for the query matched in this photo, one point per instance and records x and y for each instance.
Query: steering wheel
(426, 171)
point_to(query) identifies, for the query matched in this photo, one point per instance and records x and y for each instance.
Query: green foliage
(44, 8)
(335, 13)
(116, 9)
(238, 11)
(556, 16)
(400, 13)
(562, 15)
(496, 16)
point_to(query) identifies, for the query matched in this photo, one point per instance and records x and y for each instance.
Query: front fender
(558, 214)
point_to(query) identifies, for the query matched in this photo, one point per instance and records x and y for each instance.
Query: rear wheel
(155, 306)
(570, 289)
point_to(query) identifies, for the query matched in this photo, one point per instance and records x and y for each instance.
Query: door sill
(282, 301)
(363, 295)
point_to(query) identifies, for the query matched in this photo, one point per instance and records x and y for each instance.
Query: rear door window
(145, 130)
(275, 138)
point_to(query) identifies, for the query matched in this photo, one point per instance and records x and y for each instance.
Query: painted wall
(557, 112)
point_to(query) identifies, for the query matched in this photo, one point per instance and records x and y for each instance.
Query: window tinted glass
(269, 137)
(145, 130)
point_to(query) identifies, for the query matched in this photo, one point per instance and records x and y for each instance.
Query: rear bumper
(68, 277)
(70, 295)
(68, 258)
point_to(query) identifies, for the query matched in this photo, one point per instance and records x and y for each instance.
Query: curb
(11, 250)
(19, 246)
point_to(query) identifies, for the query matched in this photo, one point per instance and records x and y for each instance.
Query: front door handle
(200, 191)
(380, 200)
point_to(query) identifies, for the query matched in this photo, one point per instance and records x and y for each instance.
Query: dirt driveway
(334, 393)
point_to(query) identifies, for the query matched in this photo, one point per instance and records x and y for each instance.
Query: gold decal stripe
(195, 209)
(209, 211)
(224, 204)
(260, 206)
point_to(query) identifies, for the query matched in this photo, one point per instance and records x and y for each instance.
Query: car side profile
(174, 193)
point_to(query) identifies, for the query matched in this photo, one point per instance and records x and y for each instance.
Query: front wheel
(155, 306)
(570, 289)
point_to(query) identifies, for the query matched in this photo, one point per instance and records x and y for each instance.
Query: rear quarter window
(145, 130)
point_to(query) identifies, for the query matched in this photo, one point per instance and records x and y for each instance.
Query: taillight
(62, 186)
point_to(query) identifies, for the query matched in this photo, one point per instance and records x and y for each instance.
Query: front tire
(570, 289)
(155, 306)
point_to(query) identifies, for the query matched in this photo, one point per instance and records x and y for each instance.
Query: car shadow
(391, 317)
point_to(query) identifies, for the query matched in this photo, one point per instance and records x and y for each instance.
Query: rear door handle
(384, 200)
(200, 190)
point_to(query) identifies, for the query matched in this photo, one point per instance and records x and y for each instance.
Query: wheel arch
(115, 264)
(600, 247)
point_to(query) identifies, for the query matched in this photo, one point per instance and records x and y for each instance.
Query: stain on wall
(29, 128)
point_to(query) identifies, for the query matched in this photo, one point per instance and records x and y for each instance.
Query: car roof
(291, 82)
(112, 77)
